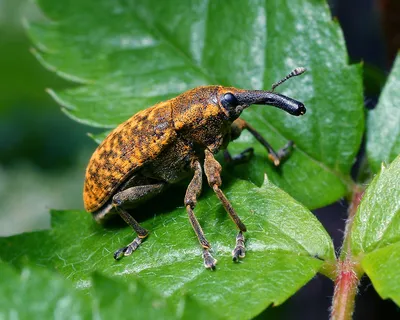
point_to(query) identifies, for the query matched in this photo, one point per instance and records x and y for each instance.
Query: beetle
(174, 140)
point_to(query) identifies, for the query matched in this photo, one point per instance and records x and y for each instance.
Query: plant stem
(346, 284)
(348, 272)
(357, 194)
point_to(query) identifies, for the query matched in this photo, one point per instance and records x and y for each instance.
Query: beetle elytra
(174, 140)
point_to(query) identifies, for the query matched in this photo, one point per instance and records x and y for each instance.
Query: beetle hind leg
(141, 234)
(131, 196)
(126, 251)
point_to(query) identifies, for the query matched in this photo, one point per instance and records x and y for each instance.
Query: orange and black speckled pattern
(195, 115)
(127, 148)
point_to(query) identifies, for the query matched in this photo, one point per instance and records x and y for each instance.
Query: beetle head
(234, 101)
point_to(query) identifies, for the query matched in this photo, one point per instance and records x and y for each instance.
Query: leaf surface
(382, 267)
(114, 299)
(383, 127)
(109, 298)
(20, 298)
(375, 236)
(286, 246)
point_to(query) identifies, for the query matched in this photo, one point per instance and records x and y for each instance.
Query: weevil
(174, 140)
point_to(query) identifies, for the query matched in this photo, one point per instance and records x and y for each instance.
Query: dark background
(43, 153)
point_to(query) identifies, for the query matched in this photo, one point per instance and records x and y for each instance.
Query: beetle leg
(192, 193)
(240, 250)
(132, 195)
(141, 232)
(276, 157)
(213, 172)
(242, 157)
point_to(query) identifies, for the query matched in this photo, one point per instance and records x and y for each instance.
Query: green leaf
(108, 299)
(383, 130)
(375, 236)
(188, 308)
(283, 240)
(39, 294)
(99, 137)
(132, 54)
(116, 300)
(382, 266)
(377, 221)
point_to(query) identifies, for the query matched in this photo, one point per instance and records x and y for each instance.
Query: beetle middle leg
(128, 197)
(242, 157)
(212, 170)
(192, 193)
(275, 156)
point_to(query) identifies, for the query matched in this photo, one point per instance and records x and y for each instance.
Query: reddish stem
(358, 193)
(346, 284)
(348, 271)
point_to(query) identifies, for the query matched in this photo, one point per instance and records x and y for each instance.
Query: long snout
(249, 97)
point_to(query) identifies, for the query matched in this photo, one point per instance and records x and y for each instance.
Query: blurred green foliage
(42, 152)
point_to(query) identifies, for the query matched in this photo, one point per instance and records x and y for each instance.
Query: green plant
(127, 55)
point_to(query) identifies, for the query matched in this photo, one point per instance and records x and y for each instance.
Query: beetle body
(166, 143)
(155, 144)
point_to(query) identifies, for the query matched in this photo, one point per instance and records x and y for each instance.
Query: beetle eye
(229, 100)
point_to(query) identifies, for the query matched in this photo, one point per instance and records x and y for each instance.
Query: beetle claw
(126, 251)
(209, 261)
(119, 253)
(239, 251)
(286, 150)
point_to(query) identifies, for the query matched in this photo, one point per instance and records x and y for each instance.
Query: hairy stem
(357, 194)
(348, 272)
(346, 284)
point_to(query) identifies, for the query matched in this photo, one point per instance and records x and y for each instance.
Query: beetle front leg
(131, 196)
(212, 170)
(192, 193)
(276, 157)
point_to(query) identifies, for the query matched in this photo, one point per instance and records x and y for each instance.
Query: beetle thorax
(207, 127)
(202, 121)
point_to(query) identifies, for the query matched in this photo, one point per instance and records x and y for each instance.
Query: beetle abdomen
(126, 149)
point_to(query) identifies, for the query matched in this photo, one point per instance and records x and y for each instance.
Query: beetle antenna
(296, 72)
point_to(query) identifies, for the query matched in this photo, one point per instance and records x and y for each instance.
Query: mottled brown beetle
(169, 142)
